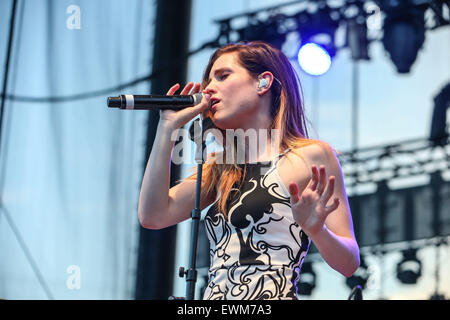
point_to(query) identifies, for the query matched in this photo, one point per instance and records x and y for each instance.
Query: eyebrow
(217, 71)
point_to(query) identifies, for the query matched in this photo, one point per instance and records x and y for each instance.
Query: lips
(213, 102)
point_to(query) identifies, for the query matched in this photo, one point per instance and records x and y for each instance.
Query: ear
(264, 83)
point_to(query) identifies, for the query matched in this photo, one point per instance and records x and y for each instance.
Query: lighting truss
(395, 161)
(273, 24)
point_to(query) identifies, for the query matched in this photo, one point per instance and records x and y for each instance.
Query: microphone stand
(191, 272)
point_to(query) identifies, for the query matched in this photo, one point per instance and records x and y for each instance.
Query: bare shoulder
(299, 161)
(315, 152)
(296, 164)
(318, 153)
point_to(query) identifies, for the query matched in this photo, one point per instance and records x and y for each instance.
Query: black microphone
(154, 102)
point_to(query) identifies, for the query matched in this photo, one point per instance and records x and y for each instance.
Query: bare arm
(153, 197)
(160, 207)
(324, 213)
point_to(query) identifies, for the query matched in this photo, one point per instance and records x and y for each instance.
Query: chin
(226, 123)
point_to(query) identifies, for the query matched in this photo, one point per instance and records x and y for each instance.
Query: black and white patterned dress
(258, 251)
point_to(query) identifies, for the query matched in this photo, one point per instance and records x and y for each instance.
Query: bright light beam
(314, 59)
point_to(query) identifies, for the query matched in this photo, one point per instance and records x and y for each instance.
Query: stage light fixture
(314, 59)
(410, 268)
(356, 38)
(439, 134)
(267, 30)
(307, 281)
(404, 32)
(317, 34)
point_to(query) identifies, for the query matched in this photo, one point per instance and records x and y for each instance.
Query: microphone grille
(197, 98)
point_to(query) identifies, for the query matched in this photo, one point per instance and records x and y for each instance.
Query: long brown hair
(287, 112)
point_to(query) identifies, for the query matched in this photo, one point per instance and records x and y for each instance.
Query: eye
(223, 76)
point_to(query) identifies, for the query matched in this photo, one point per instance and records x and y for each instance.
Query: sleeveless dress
(257, 252)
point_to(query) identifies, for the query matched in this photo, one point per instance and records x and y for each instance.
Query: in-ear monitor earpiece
(263, 83)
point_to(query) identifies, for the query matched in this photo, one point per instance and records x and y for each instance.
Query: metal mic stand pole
(191, 272)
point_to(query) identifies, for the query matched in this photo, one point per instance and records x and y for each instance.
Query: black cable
(79, 96)
(12, 80)
(215, 43)
(106, 91)
(3, 209)
(8, 217)
(8, 59)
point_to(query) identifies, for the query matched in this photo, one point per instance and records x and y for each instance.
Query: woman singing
(267, 208)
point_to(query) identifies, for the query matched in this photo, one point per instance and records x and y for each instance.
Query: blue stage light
(314, 59)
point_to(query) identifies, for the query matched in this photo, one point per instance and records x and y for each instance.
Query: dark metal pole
(355, 105)
(191, 273)
(156, 256)
(382, 193)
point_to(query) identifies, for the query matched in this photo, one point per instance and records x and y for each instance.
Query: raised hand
(179, 118)
(310, 208)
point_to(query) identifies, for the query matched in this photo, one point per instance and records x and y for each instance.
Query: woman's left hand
(310, 208)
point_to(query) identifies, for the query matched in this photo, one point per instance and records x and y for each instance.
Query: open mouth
(212, 103)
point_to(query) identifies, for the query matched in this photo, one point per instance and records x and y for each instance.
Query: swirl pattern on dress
(256, 253)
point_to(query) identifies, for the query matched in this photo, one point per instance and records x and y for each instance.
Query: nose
(210, 89)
